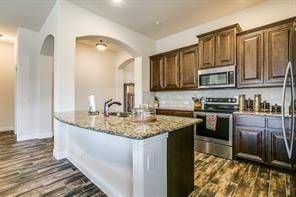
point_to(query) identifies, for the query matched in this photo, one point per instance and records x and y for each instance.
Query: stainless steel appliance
(219, 141)
(223, 77)
(288, 101)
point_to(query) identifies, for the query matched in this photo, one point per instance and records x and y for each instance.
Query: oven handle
(218, 114)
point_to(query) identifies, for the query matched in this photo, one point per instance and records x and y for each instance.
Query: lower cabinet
(276, 154)
(249, 143)
(262, 141)
(170, 112)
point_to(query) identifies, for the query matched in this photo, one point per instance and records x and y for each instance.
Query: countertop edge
(125, 136)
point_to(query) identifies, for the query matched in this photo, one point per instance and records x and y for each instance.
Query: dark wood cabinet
(170, 112)
(156, 72)
(207, 52)
(189, 67)
(249, 143)
(260, 138)
(263, 54)
(175, 70)
(171, 71)
(226, 47)
(277, 49)
(218, 48)
(277, 154)
(250, 59)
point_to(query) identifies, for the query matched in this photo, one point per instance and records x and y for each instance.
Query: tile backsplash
(183, 99)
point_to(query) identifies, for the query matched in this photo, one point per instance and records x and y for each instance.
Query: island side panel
(150, 167)
(180, 162)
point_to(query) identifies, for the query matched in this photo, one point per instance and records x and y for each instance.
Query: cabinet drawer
(249, 121)
(276, 123)
(165, 112)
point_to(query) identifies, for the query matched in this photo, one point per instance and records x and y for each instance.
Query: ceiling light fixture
(157, 23)
(101, 46)
(117, 1)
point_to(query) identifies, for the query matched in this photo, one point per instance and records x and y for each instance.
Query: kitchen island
(129, 159)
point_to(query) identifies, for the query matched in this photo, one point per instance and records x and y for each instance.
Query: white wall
(27, 95)
(94, 74)
(7, 86)
(267, 12)
(129, 73)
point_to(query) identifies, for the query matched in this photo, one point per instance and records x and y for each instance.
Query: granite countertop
(176, 108)
(121, 126)
(276, 114)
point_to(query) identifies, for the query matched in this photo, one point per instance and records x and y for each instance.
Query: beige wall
(7, 83)
(94, 74)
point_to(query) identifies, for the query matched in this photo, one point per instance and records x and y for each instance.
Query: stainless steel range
(216, 140)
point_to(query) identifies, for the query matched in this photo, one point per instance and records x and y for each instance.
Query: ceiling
(138, 15)
(173, 15)
(29, 14)
(93, 40)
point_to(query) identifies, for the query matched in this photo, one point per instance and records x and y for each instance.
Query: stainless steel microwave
(223, 77)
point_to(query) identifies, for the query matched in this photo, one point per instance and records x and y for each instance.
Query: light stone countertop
(122, 126)
(177, 108)
(276, 114)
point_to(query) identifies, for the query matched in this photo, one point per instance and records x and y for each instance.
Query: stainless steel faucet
(107, 105)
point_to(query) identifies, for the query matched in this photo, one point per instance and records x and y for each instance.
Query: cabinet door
(250, 59)
(207, 52)
(276, 53)
(225, 47)
(189, 67)
(172, 71)
(156, 73)
(277, 154)
(249, 143)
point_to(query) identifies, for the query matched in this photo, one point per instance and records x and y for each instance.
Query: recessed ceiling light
(117, 1)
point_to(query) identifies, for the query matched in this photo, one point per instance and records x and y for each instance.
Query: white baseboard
(6, 129)
(59, 155)
(34, 136)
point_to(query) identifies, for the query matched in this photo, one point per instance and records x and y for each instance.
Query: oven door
(223, 132)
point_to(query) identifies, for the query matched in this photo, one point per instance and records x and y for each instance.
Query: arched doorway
(93, 74)
(46, 92)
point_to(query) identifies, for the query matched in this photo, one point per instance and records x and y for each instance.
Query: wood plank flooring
(29, 169)
(216, 176)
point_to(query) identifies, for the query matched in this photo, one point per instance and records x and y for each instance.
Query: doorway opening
(7, 86)
(47, 85)
(129, 96)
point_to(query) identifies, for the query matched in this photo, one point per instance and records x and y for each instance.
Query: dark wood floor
(29, 169)
(216, 176)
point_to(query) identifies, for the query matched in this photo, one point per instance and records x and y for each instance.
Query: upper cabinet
(171, 71)
(263, 54)
(156, 73)
(218, 48)
(174, 70)
(189, 67)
